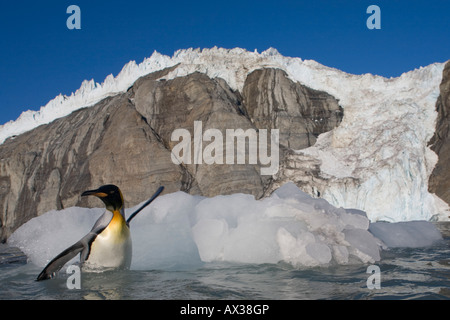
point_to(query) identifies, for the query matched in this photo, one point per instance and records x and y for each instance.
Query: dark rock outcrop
(177, 104)
(126, 140)
(273, 100)
(46, 168)
(439, 182)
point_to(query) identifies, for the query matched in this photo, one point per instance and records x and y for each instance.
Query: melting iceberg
(181, 231)
(411, 234)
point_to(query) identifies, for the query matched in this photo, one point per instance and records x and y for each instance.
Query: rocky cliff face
(440, 143)
(273, 101)
(176, 104)
(46, 168)
(127, 140)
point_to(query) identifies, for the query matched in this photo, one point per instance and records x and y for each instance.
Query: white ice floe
(180, 231)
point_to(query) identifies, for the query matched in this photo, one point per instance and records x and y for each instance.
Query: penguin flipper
(59, 261)
(154, 196)
(82, 246)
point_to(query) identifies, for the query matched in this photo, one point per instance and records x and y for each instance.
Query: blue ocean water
(405, 273)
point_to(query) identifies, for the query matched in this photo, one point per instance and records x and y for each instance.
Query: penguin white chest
(112, 248)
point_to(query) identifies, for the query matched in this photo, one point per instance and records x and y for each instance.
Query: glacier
(179, 231)
(381, 142)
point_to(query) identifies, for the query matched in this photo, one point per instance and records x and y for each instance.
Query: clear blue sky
(40, 57)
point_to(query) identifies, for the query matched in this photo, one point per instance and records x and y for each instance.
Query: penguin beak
(94, 193)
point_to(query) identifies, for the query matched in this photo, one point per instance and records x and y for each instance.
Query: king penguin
(108, 245)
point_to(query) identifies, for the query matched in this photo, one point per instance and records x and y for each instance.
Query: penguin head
(109, 194)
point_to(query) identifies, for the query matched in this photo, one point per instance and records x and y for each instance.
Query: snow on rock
(87, 95)
(381, 142)
(233, 65)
